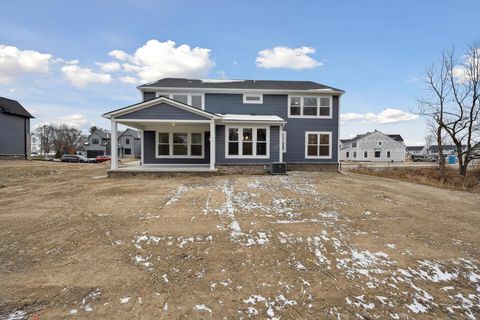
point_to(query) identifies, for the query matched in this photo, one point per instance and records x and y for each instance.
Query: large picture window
(318, 145)
(310, 107)
(180, 145)
(247, 142)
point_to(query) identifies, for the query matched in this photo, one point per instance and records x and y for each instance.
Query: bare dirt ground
(75, 244)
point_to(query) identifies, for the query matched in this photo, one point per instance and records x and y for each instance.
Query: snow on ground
(380, 287)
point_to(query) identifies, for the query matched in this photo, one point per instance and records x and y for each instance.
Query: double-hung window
(192, 99)
(310, 107)
(318, 145)
(95, 141)
(180, 145)
(247, 142)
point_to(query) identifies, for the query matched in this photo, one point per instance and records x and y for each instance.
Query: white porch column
(113, 145)
(212, 144)
(280, 140)
(141, 147)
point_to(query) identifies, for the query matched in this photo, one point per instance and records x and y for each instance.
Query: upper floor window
(247, 142)
(95, 141)
(192, 99)
(365, 154)
(318, 145)
(253, 98)
(127, 141)
(310, 107)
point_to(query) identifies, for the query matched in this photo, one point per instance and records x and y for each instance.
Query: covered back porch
(175, 137)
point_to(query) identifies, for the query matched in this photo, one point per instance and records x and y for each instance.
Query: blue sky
(375, 50)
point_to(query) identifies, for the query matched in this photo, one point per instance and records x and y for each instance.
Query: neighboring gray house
(14, 130)
(373, 146)
(129, 144)
(212, 123)
(98, 144)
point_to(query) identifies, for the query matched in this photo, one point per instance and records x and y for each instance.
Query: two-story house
(99, 144)
(215, 124)
(14, 130)
(373, 146)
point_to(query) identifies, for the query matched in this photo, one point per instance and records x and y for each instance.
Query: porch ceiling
(159, 124)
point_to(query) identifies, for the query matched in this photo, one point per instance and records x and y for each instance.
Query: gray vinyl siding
(296, 128)
(277, 105)
(148, 96)
(163, 111)
(13, 134)
(220, 148)
(149, 152)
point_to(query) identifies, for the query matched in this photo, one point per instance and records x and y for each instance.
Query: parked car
(422, 158)
(76, 158)
(103, 158)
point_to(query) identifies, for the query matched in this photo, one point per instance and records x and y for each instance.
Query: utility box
(278, 168)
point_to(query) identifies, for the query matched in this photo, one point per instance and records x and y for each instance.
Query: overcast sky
(71, 61)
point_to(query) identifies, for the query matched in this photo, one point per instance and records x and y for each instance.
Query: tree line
(60, 138)
(451, 104)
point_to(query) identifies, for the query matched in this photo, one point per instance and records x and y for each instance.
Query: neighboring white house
(373, 146)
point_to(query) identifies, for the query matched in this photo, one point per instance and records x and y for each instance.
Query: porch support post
(280, 151)
(141, 147)
(113, 146)
(212, 144)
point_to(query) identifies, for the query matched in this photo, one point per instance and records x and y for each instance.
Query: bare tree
(44, 134)
(453, 104)
(60, 138)
(462, 118)
(432, 105)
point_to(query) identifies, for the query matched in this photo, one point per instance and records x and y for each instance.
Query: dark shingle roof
(396, 137)
(13, 107)
(415, 148)
(237, 84)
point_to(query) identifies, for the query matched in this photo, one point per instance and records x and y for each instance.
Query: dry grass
(428, 176)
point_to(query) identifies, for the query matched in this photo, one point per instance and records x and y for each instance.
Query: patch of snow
(202, 307)
(125, 300)
(177, 195)
(16, 315)
(417, 307)
(73, 311)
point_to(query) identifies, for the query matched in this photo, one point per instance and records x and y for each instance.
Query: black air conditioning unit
(278, 168)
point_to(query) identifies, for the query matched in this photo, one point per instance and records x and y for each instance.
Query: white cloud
(129, 79)
(118, 54)
(78, 121)
(14, 62)
(74, 120)
(288, 58)
(388, 115)
(156, 60)
(81, 76)
(111, 66)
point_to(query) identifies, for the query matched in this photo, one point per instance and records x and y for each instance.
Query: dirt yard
(76, 244)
